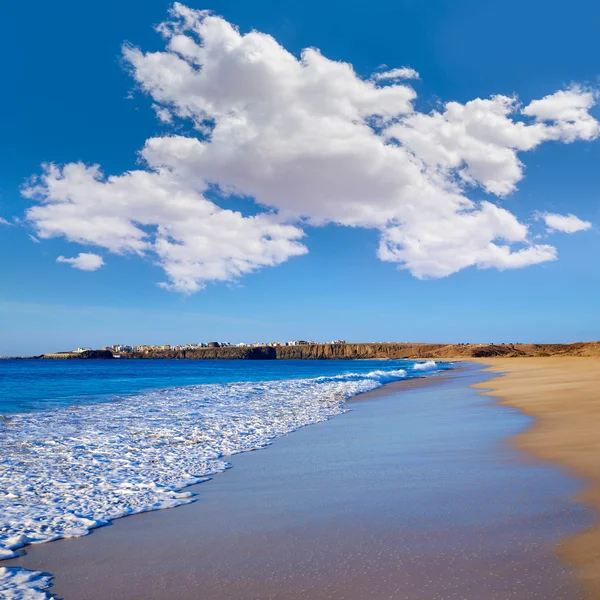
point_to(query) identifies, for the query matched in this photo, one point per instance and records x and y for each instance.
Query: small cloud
(4, 222)
(164, 114)
(401, 73)
(565, 223)
(84, 261)
(34, 239)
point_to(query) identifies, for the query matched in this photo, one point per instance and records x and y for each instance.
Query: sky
(235, 171)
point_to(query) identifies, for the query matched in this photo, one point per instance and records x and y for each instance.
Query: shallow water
(72, 461)
(414, 494)
(37, 385)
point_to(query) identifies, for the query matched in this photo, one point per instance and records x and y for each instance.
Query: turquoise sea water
(33, 385)
(84, 442)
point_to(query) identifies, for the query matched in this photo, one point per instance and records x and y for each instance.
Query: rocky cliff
(378, 350)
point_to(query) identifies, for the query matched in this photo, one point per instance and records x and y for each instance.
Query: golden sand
(563, 394)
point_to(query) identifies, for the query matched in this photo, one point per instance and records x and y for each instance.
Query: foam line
(67, 471)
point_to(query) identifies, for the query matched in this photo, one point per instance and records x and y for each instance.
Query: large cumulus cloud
(310, 142)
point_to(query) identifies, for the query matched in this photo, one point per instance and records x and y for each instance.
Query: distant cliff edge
(373, 350)
(341, 351)
(77, 355)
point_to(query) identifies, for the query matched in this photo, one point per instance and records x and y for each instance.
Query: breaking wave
(425, 366)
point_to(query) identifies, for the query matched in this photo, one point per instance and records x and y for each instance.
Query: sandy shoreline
(394, 499)
(563, 395)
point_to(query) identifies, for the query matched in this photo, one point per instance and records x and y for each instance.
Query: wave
(67, 471)
(425, 366)
(381, 376)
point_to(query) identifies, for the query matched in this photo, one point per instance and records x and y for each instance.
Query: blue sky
(70, 97)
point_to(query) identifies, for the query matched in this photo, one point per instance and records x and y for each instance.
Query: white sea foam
(20, 584)
(67, 471)
(425, 366)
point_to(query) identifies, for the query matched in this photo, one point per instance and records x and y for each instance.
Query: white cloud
(163, 114)
(479, 140)
(568, 111)
(443, 246)
(4, 221)
(400, 73)
(84, 261)
(153, 212)
(310, 142)
(565, 223)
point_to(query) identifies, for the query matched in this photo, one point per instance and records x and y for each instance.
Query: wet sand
(563, 394)
(414, 494)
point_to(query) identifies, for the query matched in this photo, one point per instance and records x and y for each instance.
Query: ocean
(85, 442)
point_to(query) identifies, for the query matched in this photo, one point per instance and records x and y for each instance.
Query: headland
(315, 351)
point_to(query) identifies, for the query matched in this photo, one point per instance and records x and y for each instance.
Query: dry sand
(563, 394)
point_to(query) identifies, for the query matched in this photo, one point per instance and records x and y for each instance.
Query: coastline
(179, 493)
(334, 350)
(157, 449)
(562, 394)
(400, 492)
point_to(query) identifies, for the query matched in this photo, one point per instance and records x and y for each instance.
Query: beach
(414, 494)
(299, 301)
(563, 395)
